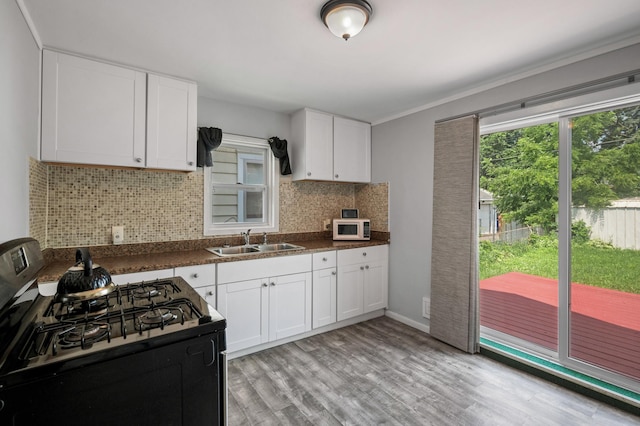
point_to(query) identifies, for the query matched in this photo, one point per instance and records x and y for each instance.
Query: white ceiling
(278, 55)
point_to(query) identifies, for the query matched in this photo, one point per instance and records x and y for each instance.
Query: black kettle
(84, 280)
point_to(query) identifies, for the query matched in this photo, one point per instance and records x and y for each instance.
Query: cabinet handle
(333, 272)
(364, 253)
(337, 176)
(308, 173)
(138, 160)
(264, 284)
(362, 268)
(190, 163)
(273, 284)
(324, 259)
(366, 267)
(209, 293)
(195, 275)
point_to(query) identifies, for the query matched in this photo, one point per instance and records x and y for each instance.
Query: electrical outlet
(326, 224)
(117, 233)
(426, 307)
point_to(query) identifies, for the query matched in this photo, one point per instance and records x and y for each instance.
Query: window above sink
(241, 189)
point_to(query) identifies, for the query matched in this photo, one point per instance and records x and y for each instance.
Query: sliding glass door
(519, 255)
(604, 293)
(560, 270)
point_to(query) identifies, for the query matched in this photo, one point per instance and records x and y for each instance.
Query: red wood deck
(605, 324)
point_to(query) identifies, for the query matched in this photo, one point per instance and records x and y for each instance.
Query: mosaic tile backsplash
(77, 206)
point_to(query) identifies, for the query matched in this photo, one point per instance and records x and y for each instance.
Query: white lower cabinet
(263, 308)
(245, 305)
(324, 288)
(203, 280)
(363, 281)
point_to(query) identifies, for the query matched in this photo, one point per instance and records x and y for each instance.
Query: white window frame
(272, 181)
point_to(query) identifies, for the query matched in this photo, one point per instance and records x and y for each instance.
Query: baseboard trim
(242, 352)
(408, 321)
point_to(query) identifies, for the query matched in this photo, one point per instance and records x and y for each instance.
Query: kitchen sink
(253, 249)
(233, 251)
(278, 247)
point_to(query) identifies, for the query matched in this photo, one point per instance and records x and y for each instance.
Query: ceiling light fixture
(346, 18)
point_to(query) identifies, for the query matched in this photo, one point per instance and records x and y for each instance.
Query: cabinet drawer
(141, 276)
(198, 275)
(325, 259)
(259, 268)
(364, 254)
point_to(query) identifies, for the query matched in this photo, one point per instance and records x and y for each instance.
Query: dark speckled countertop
(129, 261)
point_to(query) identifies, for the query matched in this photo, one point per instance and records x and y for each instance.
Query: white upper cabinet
(92, 113)
(171, 123)
(103, 114)
(325, 147)
(312, 145)
(351, 150)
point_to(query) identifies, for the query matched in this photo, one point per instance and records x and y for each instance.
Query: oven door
(176, 384)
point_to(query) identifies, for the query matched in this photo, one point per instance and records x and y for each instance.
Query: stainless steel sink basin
(233, 251)
(278, 247)
(252, 249)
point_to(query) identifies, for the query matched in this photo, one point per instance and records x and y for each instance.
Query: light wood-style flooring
(382, 372)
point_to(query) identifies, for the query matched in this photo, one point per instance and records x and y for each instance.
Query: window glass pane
(238, 179)
(232, 164)
(518, 239)
(238, 205)
(605, 243)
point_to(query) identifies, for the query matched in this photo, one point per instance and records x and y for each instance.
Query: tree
(520, 167)
(524, 182)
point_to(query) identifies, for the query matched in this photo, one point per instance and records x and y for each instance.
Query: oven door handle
(206, 349)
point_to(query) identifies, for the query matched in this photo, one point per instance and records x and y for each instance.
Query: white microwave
(351, 229)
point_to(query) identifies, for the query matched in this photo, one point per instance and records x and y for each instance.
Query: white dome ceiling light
(346, 18)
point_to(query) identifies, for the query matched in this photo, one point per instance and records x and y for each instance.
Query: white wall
(19, 110)
(242, 120)
(409, 142)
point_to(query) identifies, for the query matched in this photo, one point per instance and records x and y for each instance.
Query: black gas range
(145, 353)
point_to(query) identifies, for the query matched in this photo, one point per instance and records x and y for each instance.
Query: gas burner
(158, 317)
(146, 292)
(83, 335)
(85, 307)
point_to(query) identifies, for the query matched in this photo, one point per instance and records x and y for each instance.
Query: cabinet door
(92, 113)
(208, 293)
(324, 297)
(375, 286)
(350, 291)
(245, 305)
(351, 150)
(312, 145)
(171, 123)
(289, 305)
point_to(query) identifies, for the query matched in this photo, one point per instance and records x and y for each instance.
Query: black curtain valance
(209, 138)
(279, 149)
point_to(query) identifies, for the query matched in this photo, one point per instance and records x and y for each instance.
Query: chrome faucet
(264, 238)
(247, 241)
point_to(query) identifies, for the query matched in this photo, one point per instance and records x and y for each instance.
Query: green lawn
(597, 266)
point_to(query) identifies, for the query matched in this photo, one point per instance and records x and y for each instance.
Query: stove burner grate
(158, 318)
(83, 335)
(146, 292)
